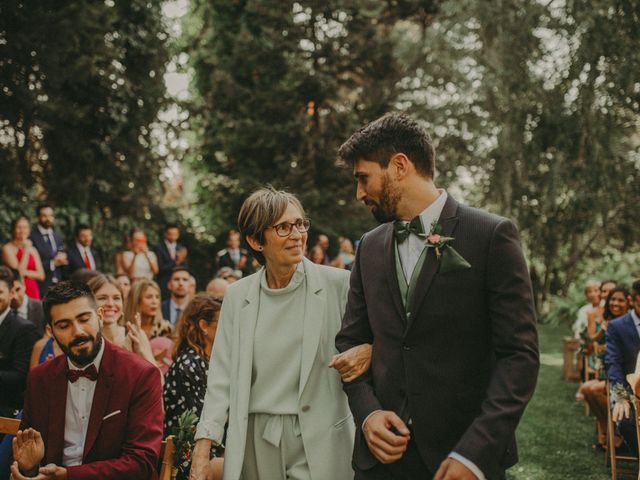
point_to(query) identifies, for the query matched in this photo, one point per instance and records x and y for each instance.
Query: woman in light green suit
(287, 415)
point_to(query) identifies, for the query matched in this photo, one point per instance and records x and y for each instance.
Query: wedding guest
(323, 242)
(139, 263)
(623, 345)
(50, 246)
(170, 254)
(179, 287)
(594, 391)
(229, 275)
(217, 288)
(129, 336)
(118, 258)
(94, 412)
(234, 256)
(125, 285)
(28, 308)
(186, 380)
(316, 255)
(592, 293)
(44, 349)
(144, 301)
(17, 337)
(20, 254)
(268, 371)
(80, 252)
(596, 315)
(346, 255)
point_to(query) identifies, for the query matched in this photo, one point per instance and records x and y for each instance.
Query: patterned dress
(184, 387)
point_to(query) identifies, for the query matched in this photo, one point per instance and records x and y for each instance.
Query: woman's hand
(200, 460)
(353, 362)
(139, 341)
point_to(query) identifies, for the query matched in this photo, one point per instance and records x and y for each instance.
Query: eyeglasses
(284, 229)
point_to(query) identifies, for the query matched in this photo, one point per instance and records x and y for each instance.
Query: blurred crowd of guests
(608, 326)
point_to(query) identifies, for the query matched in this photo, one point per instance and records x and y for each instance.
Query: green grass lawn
(554, 436)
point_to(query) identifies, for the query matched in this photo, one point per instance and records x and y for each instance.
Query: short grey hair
(261, 210)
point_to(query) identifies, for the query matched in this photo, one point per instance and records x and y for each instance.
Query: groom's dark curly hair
(390, 134)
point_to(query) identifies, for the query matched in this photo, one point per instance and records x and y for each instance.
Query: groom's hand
(452, 469)
(384, 443)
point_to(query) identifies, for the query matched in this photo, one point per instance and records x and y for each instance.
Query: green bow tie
(404, 229)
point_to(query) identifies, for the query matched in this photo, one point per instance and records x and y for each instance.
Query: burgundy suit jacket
(124, 445)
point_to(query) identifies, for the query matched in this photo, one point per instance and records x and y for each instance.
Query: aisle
(554, 436)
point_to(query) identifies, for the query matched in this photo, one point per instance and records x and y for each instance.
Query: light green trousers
(274, 449)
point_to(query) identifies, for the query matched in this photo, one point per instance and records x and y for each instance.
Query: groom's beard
(82, 358)
(385, 210)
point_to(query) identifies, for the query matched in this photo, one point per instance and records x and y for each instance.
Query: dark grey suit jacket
(35, 314)
(465, 366)
(17, 337)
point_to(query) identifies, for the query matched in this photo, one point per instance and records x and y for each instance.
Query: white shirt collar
(169, 244)
(45, 231)
(432, 213)
(82, 248)
(96, 361)
(635, 317)
(4, 314)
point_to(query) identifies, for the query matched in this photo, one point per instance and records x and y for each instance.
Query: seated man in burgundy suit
(95, 412)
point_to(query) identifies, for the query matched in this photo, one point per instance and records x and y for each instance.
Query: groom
(442, 292)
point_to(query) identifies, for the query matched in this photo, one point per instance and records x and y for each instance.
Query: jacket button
(306, 408)
(405, 347)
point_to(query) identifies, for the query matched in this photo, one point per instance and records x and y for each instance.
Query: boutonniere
(449, 258)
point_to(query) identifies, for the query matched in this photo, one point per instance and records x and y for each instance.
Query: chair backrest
(166, 458)
(9, 426)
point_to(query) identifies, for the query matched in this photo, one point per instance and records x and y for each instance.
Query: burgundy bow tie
(91, 373)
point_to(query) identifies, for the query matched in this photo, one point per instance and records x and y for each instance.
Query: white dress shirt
(77, 411)
(48, 232)
(412, 247)
(171, 248)
(86, 251)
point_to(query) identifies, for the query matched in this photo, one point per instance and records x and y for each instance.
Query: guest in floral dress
(186, 381)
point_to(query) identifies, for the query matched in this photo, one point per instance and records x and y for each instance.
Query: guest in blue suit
(50, 246)
(623, 345)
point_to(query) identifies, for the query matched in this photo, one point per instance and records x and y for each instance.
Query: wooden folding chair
(612, 457)
(166, 458)
(9, 426)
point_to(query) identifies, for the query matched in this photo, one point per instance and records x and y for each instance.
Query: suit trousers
(274, 449)
(409, 467)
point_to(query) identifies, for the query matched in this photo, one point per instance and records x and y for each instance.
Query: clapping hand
(385, 444)
(353, 362)
(48, 472)
(139, 340)
(28, 449)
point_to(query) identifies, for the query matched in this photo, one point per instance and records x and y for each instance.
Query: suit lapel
(101, 397)
(448, 221)
(314, 320)
(57, 401)
(248, 317)
(391, 271)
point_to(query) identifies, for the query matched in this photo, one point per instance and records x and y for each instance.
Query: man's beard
(385, 211)
(82, 359)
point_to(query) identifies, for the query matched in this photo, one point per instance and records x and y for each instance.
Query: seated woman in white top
(288, 416)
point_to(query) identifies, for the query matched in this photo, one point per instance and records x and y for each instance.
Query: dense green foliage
(81, 85)
(533, 107)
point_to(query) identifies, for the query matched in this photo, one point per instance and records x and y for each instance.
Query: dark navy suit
(623, 345)
(47, 253)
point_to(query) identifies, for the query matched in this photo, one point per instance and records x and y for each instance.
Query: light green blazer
(325, 420)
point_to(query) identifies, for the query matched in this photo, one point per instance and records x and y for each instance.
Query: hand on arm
(352, 363)
(48, 472)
